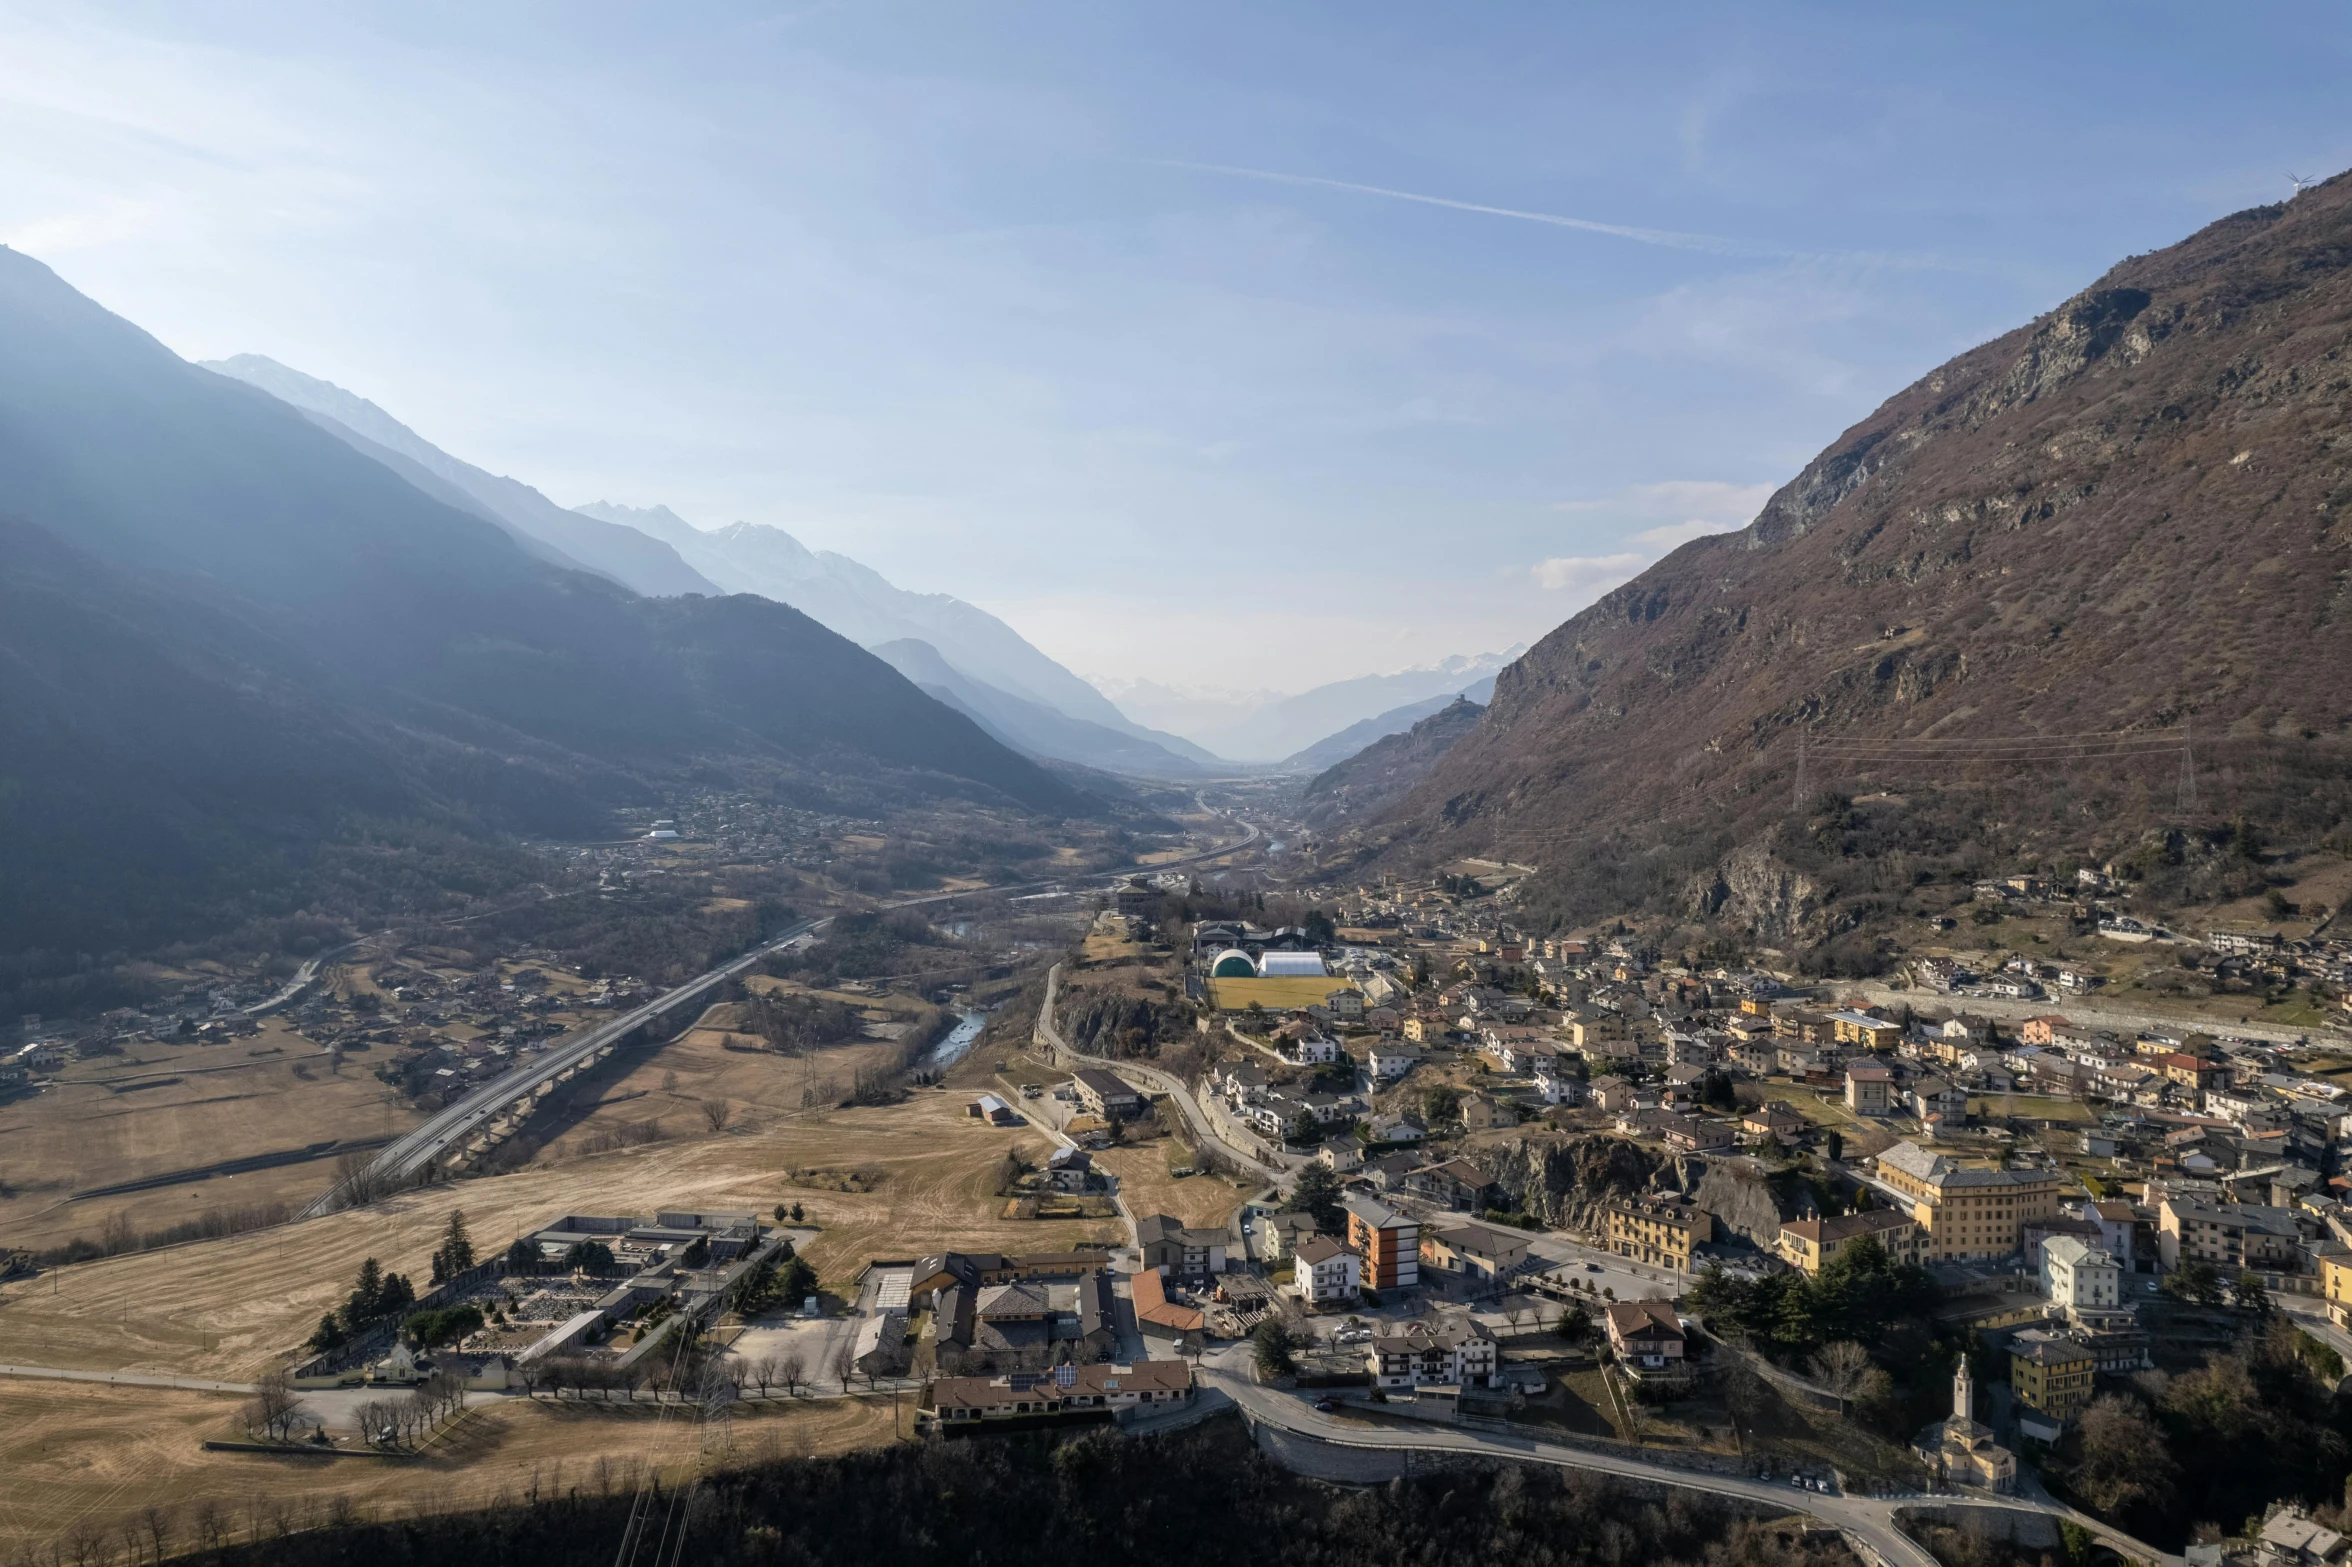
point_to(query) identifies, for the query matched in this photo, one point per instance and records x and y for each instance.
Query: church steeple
(1963, 1393)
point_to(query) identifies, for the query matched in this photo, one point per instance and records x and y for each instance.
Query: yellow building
(2053, 1376)
(1863, 1031)
(1659, 1231)
(1967, 1214)
(1805, 1244)
(2335, 1281)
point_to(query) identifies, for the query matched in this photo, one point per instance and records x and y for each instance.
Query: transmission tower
(2188, 777)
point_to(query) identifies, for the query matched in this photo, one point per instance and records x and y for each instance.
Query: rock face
(1565, 1181)
(2006, 606)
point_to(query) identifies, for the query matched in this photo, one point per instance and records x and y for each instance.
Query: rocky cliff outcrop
(1565, 1180)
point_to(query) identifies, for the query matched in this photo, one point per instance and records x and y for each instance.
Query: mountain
(2083, 593)
(1262, 726)
(623, 554)
(231, 637)
(867, 608)
(1032, 726)
(1372, 779)
(1334, 749)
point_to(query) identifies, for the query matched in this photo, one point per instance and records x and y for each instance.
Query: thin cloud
(1672, 239)
(1565, 573)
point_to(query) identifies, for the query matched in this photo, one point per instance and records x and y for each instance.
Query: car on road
(1329, 1406)
(1592, 1267)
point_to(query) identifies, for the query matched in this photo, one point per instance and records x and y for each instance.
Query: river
(959, 1039)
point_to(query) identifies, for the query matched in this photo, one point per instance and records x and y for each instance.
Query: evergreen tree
(456, 1252)
(1317, 1193)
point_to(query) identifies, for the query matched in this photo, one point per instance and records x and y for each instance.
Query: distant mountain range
(1364, 784)
(867, 608)
(1030, 726)
(1271, 726)
(228, 635)
(1334, 749)
(566, 538)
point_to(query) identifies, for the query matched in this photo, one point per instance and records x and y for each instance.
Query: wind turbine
(2300, 183)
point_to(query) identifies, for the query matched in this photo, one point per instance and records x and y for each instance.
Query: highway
(457, 1124)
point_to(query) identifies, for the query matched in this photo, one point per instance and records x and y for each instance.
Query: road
(1868, 1520)
(1151, 1078)
(2089, 1014)
(459, 1123)
(127, 1379)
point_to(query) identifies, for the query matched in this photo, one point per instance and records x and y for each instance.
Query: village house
(1645, 1335)
(1870, 1088)
(1178, 1251)
(1063, 1392)
(1105, 1095)
(1454, 1183)
(1805, 1244)
(2232, 1236)
(1476, 1252)
(1325, 1273)
(1447, 1351)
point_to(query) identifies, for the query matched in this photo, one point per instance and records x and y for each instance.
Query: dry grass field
(122, 1118)
(1202, 1200)
(91, 1460)
(230, 1308)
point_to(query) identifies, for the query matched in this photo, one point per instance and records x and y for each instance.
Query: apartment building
(1389, 1241)
(1967, 1214)
(1662, 1232)
(1805, 1244)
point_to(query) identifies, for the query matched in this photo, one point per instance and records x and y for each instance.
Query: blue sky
(1170, 333)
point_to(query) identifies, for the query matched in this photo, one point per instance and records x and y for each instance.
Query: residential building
(1105, 1095)
(1967, 1214)
(1662, 1232)
(1391, 1061)
(2335, 1279)
(1930, 1096)
(1311, 1049)
(1388, 1240)
(1773, 1123)
(1178, 1251)
(1448, 1351)
(2233, 1236)
(1065, 1391)
(1695, 1134)
(1870, 1088)
(2291, 1537)
(1325, 1273)
(2081, 1278)
(1805, 1244)
(1454, 1183)
(2051, 1376)
(1863, 1031)
(1645, 1335)
(1474, 1251)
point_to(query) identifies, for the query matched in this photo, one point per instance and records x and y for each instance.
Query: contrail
(1672, 239)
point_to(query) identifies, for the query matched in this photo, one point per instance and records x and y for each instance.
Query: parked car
(1329, 1406)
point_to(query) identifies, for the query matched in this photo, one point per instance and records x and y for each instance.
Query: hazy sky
(1221, 344)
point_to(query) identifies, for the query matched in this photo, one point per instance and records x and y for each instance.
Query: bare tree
(446, 1390)
(274, 1404)
(792, 1370)
(159, 1522)
(356, 1182)
(424, 1405)
(1842, 1367)
(763, 1374)
(211, 1528)
(716, 1113)
(844, 1362)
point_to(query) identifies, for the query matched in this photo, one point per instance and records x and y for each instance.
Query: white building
(1291, 965)
(1391, 1061)
(1324, 1272)
(1312, 1050)
(2079, 1276)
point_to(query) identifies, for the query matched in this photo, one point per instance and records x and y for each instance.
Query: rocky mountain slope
(1332, 750)
(2127, 516)
(1365, 785)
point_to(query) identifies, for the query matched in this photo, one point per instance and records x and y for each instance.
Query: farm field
(77, 1460)
(160, 1108)
(1275, 995)
(229, 1308)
